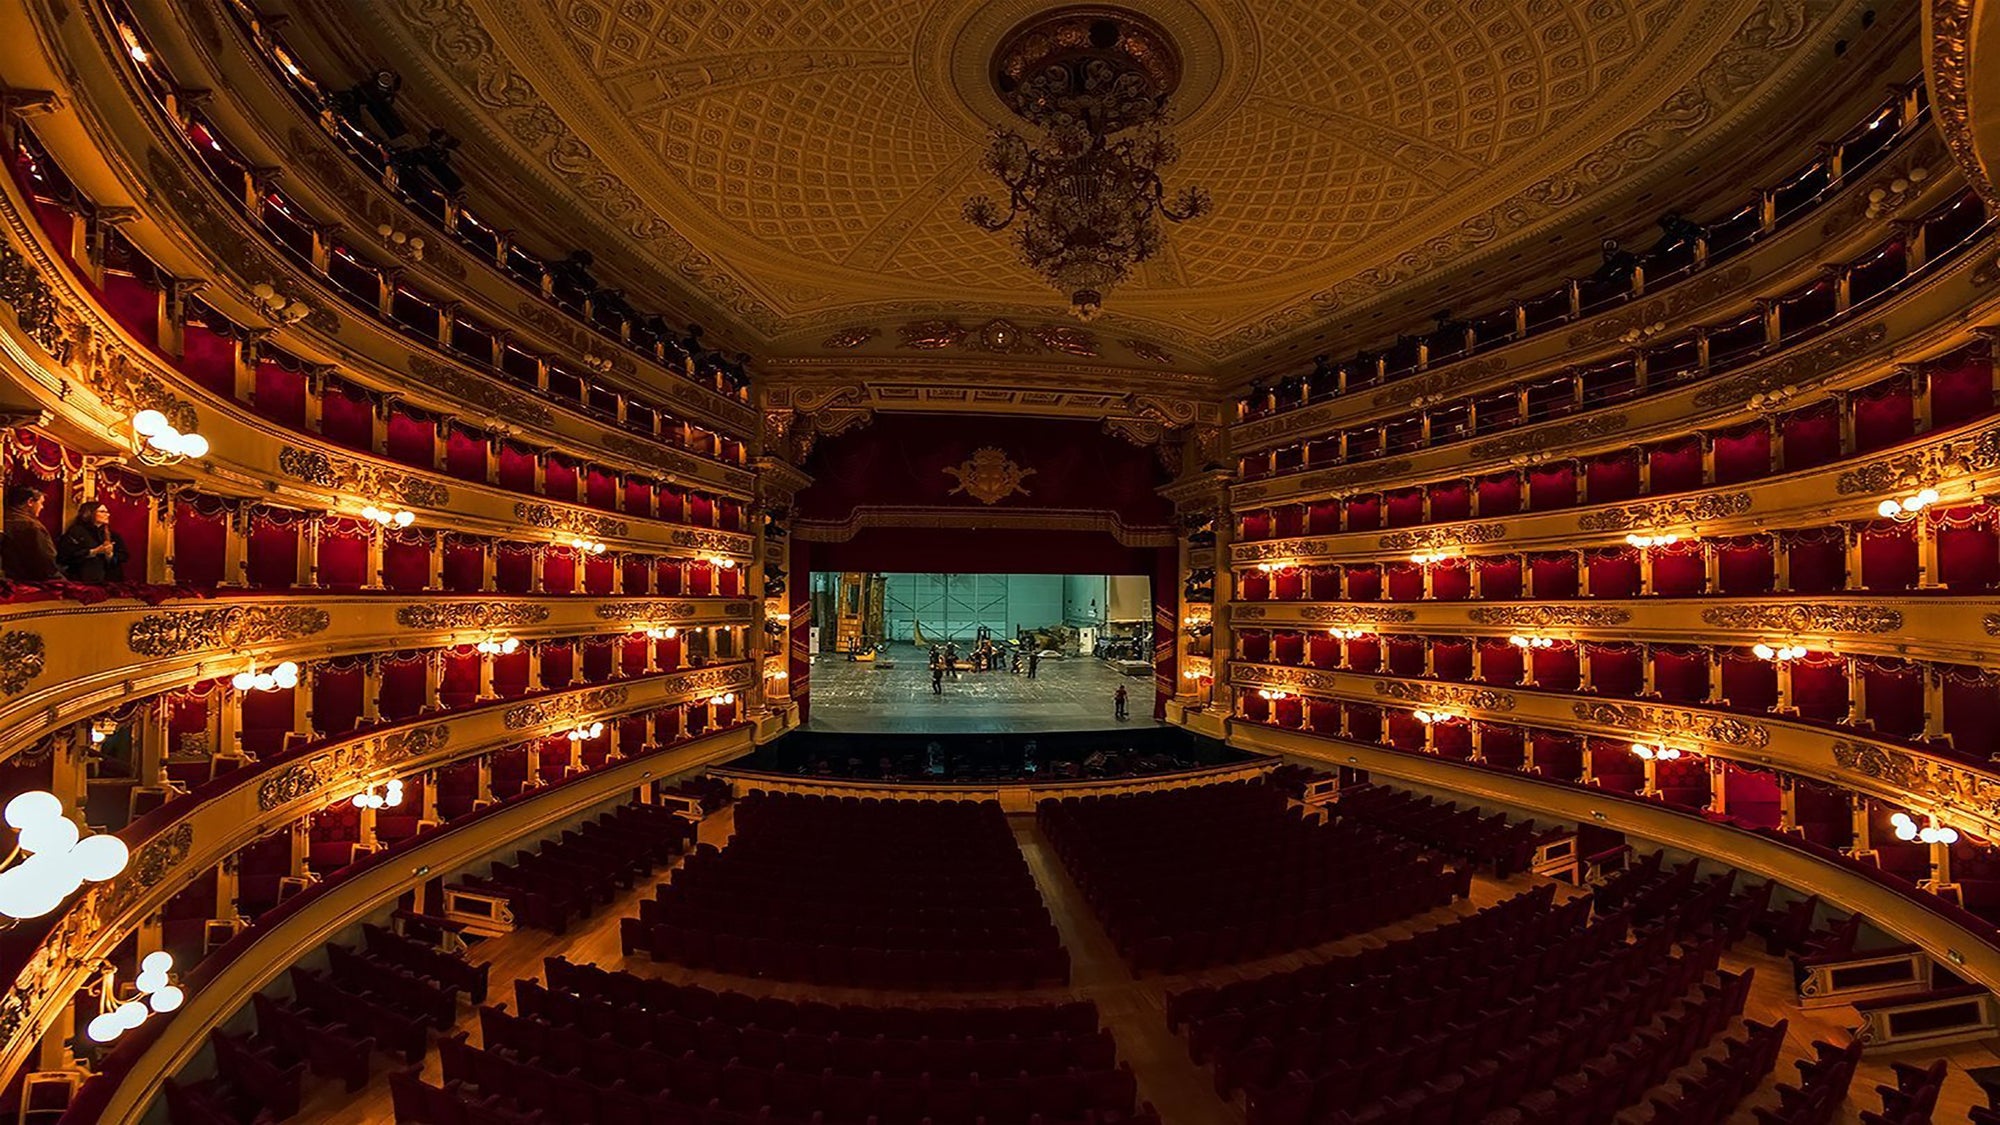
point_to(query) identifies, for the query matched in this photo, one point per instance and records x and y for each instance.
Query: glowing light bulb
(147, 423)
(32, 807)
(167, 999)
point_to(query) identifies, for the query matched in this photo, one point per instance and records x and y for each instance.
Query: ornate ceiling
(798, 165)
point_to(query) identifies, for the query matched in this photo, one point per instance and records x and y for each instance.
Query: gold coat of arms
(989, 475)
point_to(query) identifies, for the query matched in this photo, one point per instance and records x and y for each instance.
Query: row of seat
(574, 1030)
(251, 1082)
(694, 1002)
(426, 959)
(848, 966)
(1527, 914)
(631, 1084)
(586, 868)
(1712, 1097)
(1496, 843)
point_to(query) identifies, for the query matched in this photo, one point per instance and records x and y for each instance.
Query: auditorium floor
(893, 696)
(1135, 1008)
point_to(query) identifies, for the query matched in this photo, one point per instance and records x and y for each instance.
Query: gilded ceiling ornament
(1152, 353)
(1001, 337)
(1449, 695)
(1950, 46)
(849, 337)
(470, 615)
(989, 476)
(22, 658)
(931, 335)
(564, 708)
(1432, 538)
(1674, 723)
(1810, 618)
(327, 470)
(1797, 369)
(1070, 341)
(1949, 460)
(182, 631)
(546, 518)
(1666, 513)
(1548, 616)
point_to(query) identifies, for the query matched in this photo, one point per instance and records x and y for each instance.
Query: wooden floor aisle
(1134, 1008)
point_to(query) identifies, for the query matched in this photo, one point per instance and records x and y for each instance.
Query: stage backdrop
(969, 495)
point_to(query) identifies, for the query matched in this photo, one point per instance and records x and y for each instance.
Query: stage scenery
(980, 652)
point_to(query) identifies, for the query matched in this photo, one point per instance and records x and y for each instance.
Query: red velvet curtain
(1961, 388)
(601, 488)
(1364, 723)
(135, 303)
(337, 696)
(1290, 520)
(1324, 715)
(267, 719)
(1559, 756)
(1364, 513)
(1499, 495)
(343, 552)
(510, 673)
(1255, 645)
(637, 573)
(1684, 783)
(632, 654)
(131, 500)
(1451, 500)
(1502, 745)
(600, 574)
(1288, 648)
(558, 665)
(1743, 454)
(1554, 576)
(1406, 581)
(599, 655)
(1893, 696)
(667, 576)
(1451, 658)
(1556, 668)
(406, 559)
(1885, 414)
(1971, 709)
(1403, 731)
(209, 358)
(1406, 656)
(1812, 436)
(1323, 583)
(465, 454)
(1888, 555)
(464, 563)
(1551, 486)
(1819, 687)
(673, 504)
(559, 478)
(1499, 662)
(1680, 675)
(1816, 559)
(272, 552)
(1364, 654)
(1612, 477)
(458, 686)
(1615, 669)
(638, 496)
(347, 416)
(1676, 466)
(1614, 572)
(1452, 740)
(1403, 507)
(1288, 584)
(1253, 586)
(402, 685)
(1499, 579)
(701, 509)
(1324, 517)
(701, 578)
(1748, 683)
(1753, 796)
(513, 568)
(516, 467)
(1614, 767)
(1323, 650)
(1745, 566)
(1451, 581)
(1967, 549)
(281, 395)
(1257, 526)
(1678, 570)
(201, 533)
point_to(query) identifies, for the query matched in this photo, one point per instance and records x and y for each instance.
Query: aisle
(1134, 1009)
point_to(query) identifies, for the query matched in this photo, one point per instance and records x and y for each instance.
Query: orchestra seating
(1495, 843)
(1822, 1088)
(1711, 1097)
(831, 891)
(598, 1045)
(567, 878)
(1216, 874)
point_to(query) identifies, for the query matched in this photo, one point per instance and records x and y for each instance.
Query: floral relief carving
(177, 632)
(22, 658)
(1945, 461)
(470, 615)
(1793, 370)
(1662, 513)
(486, 395)
(546, 518)
(1443, 537)
(646, 611)
(1807, 618)
(1673, 723)
(1544, 438)
(702, 540)
(1278, 549)
(989, 476)
(563, 708)
(346, 765)
(1678, 301)
(327, 470)
(1407, 391)
(1548, 616)
(1924, 777)
(1447, 695)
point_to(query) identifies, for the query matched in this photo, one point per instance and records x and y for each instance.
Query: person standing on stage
(1034, 662)
(951, 658)
(1118, 705)
(937, 679)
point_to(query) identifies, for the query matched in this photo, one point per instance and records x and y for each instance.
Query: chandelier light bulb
(167, 999)
(147, 423)
(159, 961)
(104, 1028)
(1888, 509)
(405, 519)
(99, 857)
(194, 446)
(54, 837)
(32, 807)
(130, 1014)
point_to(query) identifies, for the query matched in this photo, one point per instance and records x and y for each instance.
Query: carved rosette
(564, 708)
(470, 615)
(177, 632)
(1434, 538)
(1807, 617)
(1672, 723)
(1445, 695)
(1691, 509)
(1548, 616)
(546, 518)
(22, 658)
(327, 470)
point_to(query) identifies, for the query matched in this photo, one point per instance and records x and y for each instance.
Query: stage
(869, 698)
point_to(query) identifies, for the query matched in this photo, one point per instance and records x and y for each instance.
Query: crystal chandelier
(1086, 201)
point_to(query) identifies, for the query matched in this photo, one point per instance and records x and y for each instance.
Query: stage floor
(857, 698)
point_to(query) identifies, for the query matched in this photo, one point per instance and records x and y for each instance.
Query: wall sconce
(1930, 832)
(503, 647)
(1429, 718)
(1778, 654)
(659, 634)
(776, 674)
(155, 993)
(1907, 507)
(285, 675)
(1655, 753)
(388, 517)
(157, 442)
(59, 859)
(1520, 641)
(102, 730)
(279, 306)
(132, 46)
(587, 546)
(1273, 696)
(723, 700)
(1429, 558)
(586, 733)
(1347, 634)
(1645, 541)
(402, 241)
(389, 798)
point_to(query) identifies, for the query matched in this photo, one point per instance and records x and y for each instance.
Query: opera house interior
(1000, 562)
